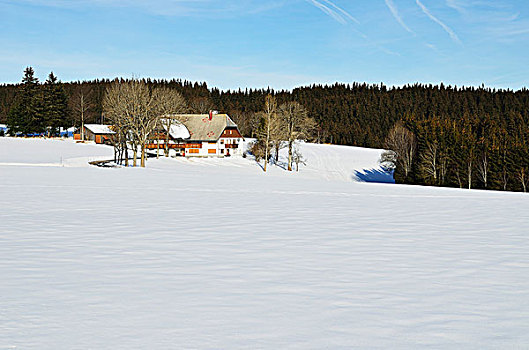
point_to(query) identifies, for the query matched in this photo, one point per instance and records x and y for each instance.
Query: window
(222, 151)
(221, 142)
(193, 150)
(212, 151)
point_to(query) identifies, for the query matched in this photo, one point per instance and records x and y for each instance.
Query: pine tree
(55, 105)
(26, 116)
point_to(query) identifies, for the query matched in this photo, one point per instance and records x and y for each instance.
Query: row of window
(232, 141)
(210, 151)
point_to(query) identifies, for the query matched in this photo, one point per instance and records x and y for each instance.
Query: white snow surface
(216, 254)
(50, 152)
(99, 128)
(177, 130)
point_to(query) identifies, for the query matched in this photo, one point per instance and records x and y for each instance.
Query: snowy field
(215, 254)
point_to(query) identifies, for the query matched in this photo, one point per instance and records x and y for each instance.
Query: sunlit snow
(214, 253)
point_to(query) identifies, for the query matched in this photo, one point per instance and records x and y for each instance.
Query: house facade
(200, 135)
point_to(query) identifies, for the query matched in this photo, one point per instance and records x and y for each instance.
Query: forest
(466, 137)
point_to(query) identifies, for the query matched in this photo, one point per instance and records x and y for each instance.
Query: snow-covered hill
(213, 253)
(321, 161)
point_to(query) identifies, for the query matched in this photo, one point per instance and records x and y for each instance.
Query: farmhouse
(200, 135)
(95, 132)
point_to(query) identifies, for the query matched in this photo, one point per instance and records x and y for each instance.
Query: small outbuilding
(98, 133)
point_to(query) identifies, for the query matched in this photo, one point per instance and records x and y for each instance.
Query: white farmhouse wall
(219, 147)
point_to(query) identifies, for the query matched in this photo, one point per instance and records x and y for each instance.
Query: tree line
(38, 108)
(462, 136)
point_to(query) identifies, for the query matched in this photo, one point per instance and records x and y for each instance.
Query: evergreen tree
(26, 117)
(55, 104)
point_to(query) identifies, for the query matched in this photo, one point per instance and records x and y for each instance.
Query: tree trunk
(469, 173)
(143, 155)
(167, 140)
(82, 118)
(157, 147)
(267, 145)
(82, 123)
(290, 144)
(135, 152)
(522, 178)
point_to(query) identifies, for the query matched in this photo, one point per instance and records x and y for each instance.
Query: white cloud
(446, 28)
(333, 11)
(395, 12)
(342, 11)
(456, 5)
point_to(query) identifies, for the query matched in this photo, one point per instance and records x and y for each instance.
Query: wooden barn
(201, 135)
(95, 132)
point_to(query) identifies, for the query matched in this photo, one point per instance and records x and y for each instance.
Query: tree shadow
(282, 165)
(374, 175)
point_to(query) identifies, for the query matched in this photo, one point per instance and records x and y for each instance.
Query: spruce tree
(55, 104)
(25, 117)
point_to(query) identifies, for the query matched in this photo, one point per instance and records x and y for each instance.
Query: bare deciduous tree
(133, 106)
(297, 158)
(170, 102)
(403, 143)
(248, 122)
(201, 105)
(82, 104)
(297, 125)
(470, 167)
(483, 169)
(523, 177)
(277, 144)
(269, 126)
(430, 161)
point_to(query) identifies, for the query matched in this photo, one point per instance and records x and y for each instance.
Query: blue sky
(277, 43)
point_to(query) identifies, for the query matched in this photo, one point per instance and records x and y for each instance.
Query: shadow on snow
(374, 175)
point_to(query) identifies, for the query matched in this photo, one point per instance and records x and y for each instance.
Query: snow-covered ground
(50, 152)
(213, 253)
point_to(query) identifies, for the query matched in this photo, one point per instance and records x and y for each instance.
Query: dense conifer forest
(462, 136)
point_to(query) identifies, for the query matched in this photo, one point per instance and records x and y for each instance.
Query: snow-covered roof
(99, 128)
(201, 128)
(177, 130)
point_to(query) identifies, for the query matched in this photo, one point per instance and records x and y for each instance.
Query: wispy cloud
(333, 11)
(395, 12)
(446, 28)
(456, 5)
(344, 17)
(198, 8)
(342, 11)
